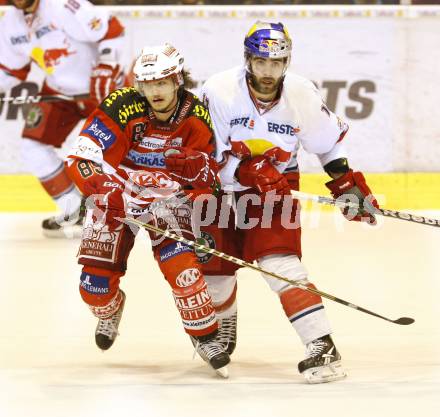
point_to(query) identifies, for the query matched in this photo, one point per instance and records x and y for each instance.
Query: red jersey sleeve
(105, 138)
(201, 137)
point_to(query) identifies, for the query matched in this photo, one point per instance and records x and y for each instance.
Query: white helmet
(157, 62)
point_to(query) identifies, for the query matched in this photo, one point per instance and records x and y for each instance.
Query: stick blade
(404, 321)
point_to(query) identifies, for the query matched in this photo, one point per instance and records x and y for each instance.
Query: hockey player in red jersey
(78, 47)
(141, 152)
(261, 116)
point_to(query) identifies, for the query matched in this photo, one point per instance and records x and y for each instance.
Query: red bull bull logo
(255, 147)
(269, 45)
(48, 59)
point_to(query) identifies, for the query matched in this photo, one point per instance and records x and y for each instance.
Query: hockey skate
(62, 227)
(322, 363)
(107, 329)
(227, 333)
(212, 352)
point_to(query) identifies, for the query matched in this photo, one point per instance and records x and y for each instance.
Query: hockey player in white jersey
(78, 47)
(261, 116)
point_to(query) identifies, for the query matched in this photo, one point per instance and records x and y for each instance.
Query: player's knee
(39, 158)
(98, 286)
(190, 292)
(174, 261)
(288, 266)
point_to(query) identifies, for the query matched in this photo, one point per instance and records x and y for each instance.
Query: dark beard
(261, 88)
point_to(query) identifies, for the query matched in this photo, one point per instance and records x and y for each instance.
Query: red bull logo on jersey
(49, 59)
(255, 147)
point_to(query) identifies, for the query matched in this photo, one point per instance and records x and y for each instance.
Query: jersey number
(89, 168)
(138, 131)
(72, 5)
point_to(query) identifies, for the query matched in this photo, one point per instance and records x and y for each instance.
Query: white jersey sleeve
(10, 58)
(89, 23)
(83, 21)
(220, 114)
(321, 130)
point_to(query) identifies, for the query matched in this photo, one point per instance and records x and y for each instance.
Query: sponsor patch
(95, 24)
(195, 303)
(206, 240)
(172, 250)
(17, 40)
(283, 128)
(34, 117)
(98, 244)
(44, 30)
(94, 284)
(100, 132)
(202, 113)
(188, 277)
(156, 143)
(150, 160)
(131, 111)
(115, 95)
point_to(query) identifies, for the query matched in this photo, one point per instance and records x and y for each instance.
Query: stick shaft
(242, 263)
(383, 212)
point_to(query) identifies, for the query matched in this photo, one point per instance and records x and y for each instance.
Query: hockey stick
(130, 220)
(20, 100)
(383, 212)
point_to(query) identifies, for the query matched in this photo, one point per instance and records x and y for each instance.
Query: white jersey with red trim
(245, 129)
(60, 37)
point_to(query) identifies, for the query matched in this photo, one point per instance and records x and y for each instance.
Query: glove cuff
(342, 184)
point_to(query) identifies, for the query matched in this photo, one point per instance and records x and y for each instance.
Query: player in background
(78, 46)
(261, 116)
(158, 141)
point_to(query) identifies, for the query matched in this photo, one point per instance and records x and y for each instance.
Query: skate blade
(326, 373)
(67, 232)
(223, 372)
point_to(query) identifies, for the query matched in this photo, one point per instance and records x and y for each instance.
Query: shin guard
(189, 290)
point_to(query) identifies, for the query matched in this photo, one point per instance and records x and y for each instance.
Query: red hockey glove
(259, 173)
(190, 167)
(107, 191)
(352, 185)
(105, 78)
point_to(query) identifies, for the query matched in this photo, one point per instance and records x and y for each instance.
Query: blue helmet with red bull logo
(268, 40)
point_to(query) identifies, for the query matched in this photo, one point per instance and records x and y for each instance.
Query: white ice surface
(50, 366)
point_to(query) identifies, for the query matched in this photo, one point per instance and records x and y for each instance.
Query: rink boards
(376, 68)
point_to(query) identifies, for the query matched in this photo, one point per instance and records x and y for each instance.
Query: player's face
(23, 4)
(267, 73)
(161, 94)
